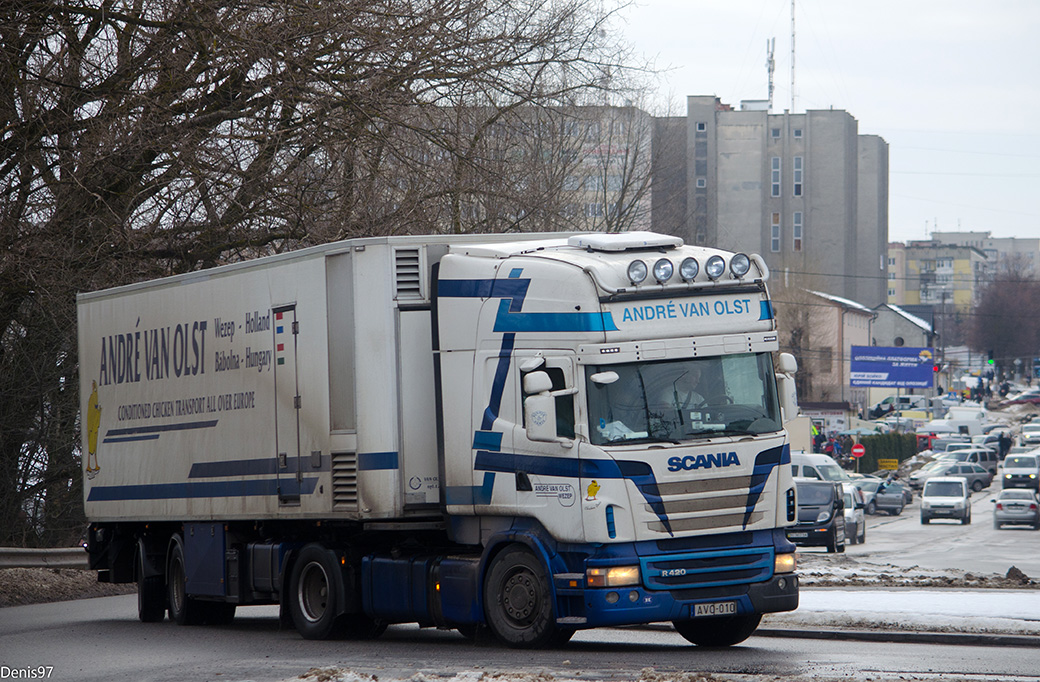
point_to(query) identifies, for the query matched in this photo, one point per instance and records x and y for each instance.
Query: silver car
(1021, 471)
(1016, 506)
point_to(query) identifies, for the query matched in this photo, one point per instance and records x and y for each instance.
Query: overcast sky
(953, 86)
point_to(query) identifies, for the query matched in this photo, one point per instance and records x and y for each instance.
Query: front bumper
(635, 605)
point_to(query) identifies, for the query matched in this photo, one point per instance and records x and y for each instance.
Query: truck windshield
(681, 400)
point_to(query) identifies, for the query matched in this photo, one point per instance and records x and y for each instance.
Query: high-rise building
(806, 191)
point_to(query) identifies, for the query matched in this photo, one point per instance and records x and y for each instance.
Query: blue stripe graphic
(193, 489)
(375, 461)
(152, 432)
(765, 310)
(765, 462)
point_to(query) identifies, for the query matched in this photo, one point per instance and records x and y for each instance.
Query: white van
(897, 403)
(968, 427)
(946, 497)
(820, 467)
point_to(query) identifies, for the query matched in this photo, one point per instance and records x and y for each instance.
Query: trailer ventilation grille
(344, 480)
(408, 282)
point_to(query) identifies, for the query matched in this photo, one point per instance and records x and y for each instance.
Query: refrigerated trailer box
(460, 431)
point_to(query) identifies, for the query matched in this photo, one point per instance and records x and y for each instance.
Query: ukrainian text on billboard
(892, 366)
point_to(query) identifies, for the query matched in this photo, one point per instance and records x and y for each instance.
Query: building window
(775, 176)
(775, 233)
(701, 182)
(701, 126)
(798, 176)
(892, 275)
(775, 133)
(594, 210)
(798, 133)
(891, 261)
(891, 292)
(796, 231)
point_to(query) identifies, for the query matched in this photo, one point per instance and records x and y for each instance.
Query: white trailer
(459, 431)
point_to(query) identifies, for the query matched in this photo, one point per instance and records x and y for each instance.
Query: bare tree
(146, 137)
(1004, 319)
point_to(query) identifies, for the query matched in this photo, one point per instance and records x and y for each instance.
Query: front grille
(711, 504)
(708, 569)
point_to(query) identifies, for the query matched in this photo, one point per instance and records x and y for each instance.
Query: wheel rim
(177, 593)
(313, 594)
(520, 597)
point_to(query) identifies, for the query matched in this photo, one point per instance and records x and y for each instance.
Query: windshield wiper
(720, 432)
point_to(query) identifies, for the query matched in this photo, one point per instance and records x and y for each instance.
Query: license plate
(719, 608)
(797, 535)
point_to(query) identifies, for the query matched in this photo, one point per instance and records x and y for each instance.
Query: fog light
(612, 597)
(633, 596)
(782, 583)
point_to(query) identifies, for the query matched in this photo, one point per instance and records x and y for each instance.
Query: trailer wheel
(183, 609)
(723, 631)
(151, 594)
(518, 600)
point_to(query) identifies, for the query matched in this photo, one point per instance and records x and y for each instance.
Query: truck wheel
(723, 631)
(518, 600)
(151, 595)
(313, 594)
(183, 609)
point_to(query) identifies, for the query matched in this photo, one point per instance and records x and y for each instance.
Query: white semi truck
(495, 431)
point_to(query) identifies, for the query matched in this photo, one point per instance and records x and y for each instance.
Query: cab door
(548, 473)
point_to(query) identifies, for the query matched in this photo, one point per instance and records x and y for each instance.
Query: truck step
(572, 620)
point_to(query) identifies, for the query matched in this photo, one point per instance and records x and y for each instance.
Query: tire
(314, 594)
(898, 511)
(996, 524)
(871, 508)
(518, 600)
(924, 519)
(862, 533)
(151, 594)
(184, 610)
(718, 632)
(966, 519)
(976, 486)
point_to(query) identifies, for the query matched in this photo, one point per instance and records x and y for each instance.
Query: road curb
(905, 636)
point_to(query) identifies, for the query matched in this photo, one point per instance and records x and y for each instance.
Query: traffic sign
(858, 450)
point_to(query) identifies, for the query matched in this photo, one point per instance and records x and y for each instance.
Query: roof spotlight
(637, 271)
(663, 270)
(715, 267)
(740, 264)
(689, 268)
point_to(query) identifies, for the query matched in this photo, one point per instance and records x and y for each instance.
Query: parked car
(1030, 434)
(882, 496)
(821, 515)
(1021, 471)
(977, 477)
(855, 522)
(1016, 506)
(973, 454)
(1030, 397)
(946, 497)
(818, 466)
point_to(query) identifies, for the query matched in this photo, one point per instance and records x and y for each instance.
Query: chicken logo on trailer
(93, 425)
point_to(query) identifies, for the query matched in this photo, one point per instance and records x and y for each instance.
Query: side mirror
(540, 415)
(786, 387)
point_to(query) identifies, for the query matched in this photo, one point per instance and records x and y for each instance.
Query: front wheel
(976, 486)
(724, 631)
(871, 507)
(314, 594)
(518, 600)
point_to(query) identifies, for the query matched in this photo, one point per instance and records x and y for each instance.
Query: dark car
(821, 515)
(881, 496)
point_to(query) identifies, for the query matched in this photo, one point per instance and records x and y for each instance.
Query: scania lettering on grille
(691, 462)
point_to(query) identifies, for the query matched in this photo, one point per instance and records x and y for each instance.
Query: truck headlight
(663, 270)
(637, 271)
(715, 267)
(615, 576)
(784, 563)
(740, 264)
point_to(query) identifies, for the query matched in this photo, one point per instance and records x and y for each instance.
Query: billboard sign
(892, 367)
